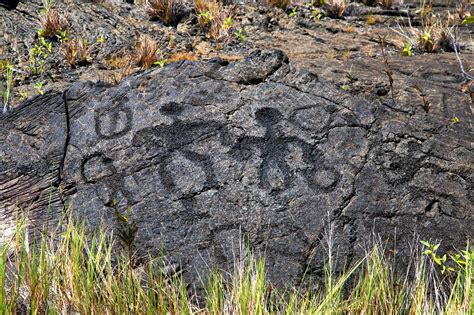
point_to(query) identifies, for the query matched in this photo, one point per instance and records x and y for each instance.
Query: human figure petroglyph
(160, 145)
(162, 142)
(274, 148)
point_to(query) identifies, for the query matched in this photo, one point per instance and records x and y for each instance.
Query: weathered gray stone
(207, 153)
(33, 139)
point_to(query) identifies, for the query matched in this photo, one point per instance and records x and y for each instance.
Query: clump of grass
(425, 8)
(221, 25)
(282, 4)
(52, 23)
(77, 273)
(164, 10)
(386, 4)
(77, 52)
(204, 10)
(146, 52)
(464, 9)
(336, 8)
(71, 269)
(214, 18)
(122, 66)
(432, 37)
(245, 291)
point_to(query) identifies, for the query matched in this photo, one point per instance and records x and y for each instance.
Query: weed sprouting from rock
(52, 22)
(336, 8)
(77, 52)
(6, 72)
(214, 18)
(426, 105)
(39, 55)
(164, 10)
(127, 233)
(147, 52)
(282, 4)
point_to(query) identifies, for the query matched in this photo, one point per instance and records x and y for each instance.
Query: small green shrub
(39, 87)
(240, 35)
(40, 52)
(468, 20)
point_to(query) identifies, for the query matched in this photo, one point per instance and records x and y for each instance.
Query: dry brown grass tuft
(336, 8)
(386, 4)
(146, 52)
(77, 52)
(435, 34)
(164, 10)
(219, 29)
(282, 4)
(183, 55)
(52, 23)
(122, 67)
(215, 18)
(464, 9)
(349, 29)
(205, 10)
(201, 6)
(432, 37)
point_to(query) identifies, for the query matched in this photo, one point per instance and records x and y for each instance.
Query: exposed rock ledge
(204, 153)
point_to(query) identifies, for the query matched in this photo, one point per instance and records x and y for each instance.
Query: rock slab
(208, 153)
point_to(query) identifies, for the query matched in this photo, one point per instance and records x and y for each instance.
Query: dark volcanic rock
(207, 153)
(33, 139)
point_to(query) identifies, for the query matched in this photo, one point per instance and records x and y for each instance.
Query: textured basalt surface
(208, 153)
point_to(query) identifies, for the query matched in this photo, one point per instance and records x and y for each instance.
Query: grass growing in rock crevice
(78, 272)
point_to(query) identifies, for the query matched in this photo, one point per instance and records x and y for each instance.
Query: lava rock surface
(206, 154)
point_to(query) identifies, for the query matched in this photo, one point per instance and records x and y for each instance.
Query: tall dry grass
(70, 270)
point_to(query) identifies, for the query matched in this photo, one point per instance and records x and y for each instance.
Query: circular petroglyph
(115, 122)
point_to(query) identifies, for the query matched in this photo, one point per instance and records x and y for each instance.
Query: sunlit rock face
(206, 154)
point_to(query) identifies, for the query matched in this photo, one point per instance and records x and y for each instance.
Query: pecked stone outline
(164, 141)
(115, 111)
